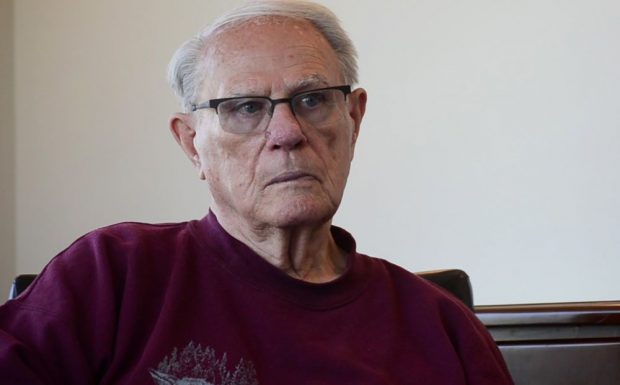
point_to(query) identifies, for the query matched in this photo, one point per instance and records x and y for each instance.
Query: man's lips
(290, 176)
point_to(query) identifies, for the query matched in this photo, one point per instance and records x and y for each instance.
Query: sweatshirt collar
(240, 260)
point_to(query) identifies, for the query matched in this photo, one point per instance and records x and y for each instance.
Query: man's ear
(182, 128)
(357, 109)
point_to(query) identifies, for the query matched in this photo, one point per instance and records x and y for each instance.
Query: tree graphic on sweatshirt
(197, 366)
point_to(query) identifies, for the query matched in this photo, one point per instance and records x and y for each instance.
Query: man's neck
(308, 253)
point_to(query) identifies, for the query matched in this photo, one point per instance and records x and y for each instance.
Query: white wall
(491, 143)
(7, 149)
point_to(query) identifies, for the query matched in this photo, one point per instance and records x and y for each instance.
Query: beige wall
(491, 141)
(7, 149)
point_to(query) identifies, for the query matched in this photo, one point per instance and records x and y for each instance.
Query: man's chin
(300, 214)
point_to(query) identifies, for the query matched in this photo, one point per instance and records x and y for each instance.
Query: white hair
(184, 71)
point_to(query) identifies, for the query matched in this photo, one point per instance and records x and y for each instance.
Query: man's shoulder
(393, 271)
(108, 256)
(126, 234)
(413, 288)
(127, 242)
(131, 229)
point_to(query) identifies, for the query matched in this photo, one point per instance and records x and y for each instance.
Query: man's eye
(311, 100)
(249, 107)
(242, 107)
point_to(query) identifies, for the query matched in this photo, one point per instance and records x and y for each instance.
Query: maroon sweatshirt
(187, 303)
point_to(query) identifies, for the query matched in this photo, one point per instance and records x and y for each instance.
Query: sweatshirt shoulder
(107, 256)
(129, 230)
(129, 234)
(126, 243)
(417, 289)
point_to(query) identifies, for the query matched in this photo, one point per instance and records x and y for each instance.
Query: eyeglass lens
(315, 108)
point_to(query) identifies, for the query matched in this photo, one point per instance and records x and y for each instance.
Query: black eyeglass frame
(213, 103)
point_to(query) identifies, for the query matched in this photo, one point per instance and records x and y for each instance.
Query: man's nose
(284, 131)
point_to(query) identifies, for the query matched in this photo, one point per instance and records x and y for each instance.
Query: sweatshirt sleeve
(59, 331)
(481, 360)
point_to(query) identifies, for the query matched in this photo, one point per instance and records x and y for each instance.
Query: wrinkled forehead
(257, 55)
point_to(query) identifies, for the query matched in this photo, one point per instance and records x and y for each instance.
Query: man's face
(290, 174)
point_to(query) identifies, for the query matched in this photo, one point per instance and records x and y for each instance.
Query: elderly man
(263, 290)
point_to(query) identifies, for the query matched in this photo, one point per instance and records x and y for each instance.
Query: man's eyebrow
(306, 83)
(309, 82)
(235, 93)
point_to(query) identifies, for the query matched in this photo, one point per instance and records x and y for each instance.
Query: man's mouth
(290, 177)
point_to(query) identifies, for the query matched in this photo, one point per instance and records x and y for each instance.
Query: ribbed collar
(244, 263)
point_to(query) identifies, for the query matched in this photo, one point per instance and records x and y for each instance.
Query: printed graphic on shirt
(197, 366)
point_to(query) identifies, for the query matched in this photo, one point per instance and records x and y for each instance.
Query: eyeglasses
(251, 114)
